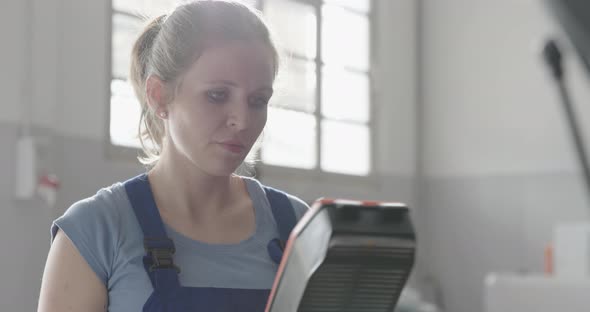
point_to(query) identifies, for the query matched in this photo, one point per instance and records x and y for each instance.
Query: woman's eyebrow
(224, 82)
(233, 84)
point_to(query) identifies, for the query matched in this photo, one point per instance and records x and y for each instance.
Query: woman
(188, 235)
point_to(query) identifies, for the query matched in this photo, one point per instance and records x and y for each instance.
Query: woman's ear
(155, 94)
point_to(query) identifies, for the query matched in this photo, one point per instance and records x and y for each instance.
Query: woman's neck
(185, 190)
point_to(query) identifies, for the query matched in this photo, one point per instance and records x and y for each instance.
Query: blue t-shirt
(107, 234)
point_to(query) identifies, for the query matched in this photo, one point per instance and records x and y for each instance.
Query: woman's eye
(260, 101)
(217, 96)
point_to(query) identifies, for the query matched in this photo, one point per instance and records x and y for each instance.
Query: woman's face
(221, 106)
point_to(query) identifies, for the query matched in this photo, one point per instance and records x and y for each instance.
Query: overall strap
(159, 248)
(283, 212)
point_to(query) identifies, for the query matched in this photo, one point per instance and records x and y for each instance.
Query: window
(319, 118)
(322, 118)
(127, 22)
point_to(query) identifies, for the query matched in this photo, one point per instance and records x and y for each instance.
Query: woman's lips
(234, 148)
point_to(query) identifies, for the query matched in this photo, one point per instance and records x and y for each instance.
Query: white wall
(29, 60)
(12, 58)
(83, 72)
(497, 159)
(23, 227)
(483, 71)
(68, 88)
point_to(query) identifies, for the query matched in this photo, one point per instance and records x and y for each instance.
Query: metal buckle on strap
(161, 258)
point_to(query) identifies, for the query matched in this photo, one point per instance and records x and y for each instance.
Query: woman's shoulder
(93, 226)
(108, 195)
(100, 208)
(299, 206)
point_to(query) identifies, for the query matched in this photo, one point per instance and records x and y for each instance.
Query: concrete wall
(497, 162)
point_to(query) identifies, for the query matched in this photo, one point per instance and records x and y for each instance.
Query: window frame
(263, 170)
(114, 152)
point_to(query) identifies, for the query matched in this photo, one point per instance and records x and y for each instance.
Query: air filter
(346, 256)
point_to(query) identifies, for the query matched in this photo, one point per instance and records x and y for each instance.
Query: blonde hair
(170, 43)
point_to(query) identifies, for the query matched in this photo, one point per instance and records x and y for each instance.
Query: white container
(571, 254)
(535, 293)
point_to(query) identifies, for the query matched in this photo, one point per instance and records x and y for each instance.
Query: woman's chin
(223, 169)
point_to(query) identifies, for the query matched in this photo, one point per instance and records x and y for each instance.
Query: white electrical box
(26, 168)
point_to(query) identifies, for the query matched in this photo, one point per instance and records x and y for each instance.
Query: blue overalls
(168, 294)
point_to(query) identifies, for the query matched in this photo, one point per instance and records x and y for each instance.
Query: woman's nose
(238, 116)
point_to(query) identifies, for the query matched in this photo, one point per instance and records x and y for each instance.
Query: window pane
(125, 31)
(358, 5)
(345, 38)
(345, 148)
(294, 25)
(296, 86)
(289, 139)
(125, 113)
(345, 95)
